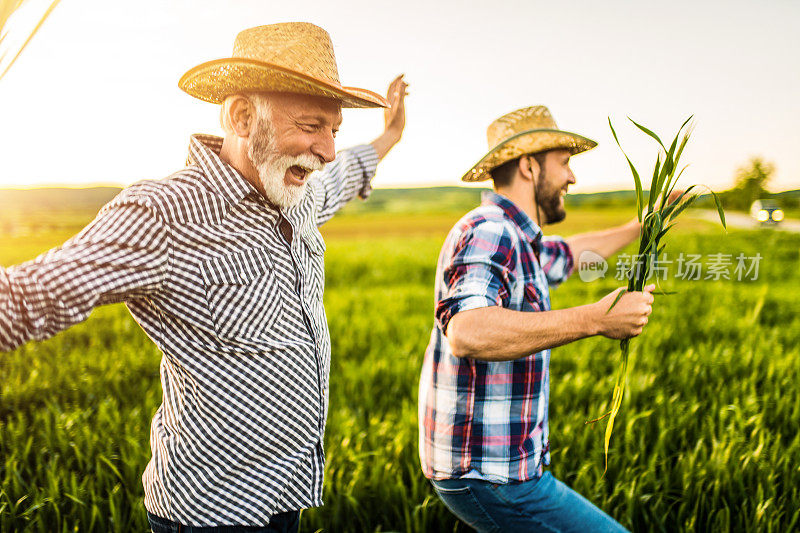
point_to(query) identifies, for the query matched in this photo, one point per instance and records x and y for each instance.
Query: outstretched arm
(499, 334)
(610, 241)
(351, 173)
(121, 254)
(477, 283)
(604, 242)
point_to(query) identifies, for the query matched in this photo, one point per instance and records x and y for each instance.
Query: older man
(222, 265)
(485, 384)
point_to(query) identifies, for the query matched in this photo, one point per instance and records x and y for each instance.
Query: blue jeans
(543, 504)
(288, 522)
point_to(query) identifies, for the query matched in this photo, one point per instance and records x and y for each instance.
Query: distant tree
(751, 181)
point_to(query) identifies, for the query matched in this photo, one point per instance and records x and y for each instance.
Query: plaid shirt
(236, 309)
(479, 419)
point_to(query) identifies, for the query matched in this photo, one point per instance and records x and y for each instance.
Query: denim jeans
(288, 522)
(543, 504)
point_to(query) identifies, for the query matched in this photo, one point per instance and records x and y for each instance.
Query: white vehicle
(766, 212)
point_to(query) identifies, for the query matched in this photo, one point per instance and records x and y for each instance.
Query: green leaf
(686, 136)
(112, 466)
(617, 299)
(616, 401)
(667, 171)
(653, 184)
(664, 232)
(671, 187)
(720, 210)
(666, 211)
(637, 181)
(689, 201)
(650, 133)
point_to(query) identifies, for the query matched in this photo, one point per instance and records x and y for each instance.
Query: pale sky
(94, 98)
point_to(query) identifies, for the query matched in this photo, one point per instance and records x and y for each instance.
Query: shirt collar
(524, 223)
(221, 176)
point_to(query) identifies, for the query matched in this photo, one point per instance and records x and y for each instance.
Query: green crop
(656, 221)
(707, 440)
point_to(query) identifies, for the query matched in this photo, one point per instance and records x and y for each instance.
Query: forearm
(32, 310)
(385, 142)
(344, 179)
(122, 253)
(499, 334)
(14, 330)
(604, 242)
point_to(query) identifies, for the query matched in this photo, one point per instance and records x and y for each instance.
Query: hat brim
(527, 142)
(214, 80)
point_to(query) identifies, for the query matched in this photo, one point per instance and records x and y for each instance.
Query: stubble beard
(548, 199)
(272, 166)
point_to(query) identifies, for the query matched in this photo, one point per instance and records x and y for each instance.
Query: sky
(94, 99)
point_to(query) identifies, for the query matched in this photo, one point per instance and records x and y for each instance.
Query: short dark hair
(503, 174)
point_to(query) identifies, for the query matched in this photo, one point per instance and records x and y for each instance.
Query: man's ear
(241, 116)
(529, 168)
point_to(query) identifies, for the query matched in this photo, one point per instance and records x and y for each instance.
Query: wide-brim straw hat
(293, 57)
(525, 131)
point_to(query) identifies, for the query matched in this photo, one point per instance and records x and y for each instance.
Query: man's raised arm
(352, 171)
(121, 254)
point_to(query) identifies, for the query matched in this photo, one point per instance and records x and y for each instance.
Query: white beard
(273, 171)
(272, 166)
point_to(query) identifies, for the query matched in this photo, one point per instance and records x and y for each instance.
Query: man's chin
(286, 196)
(554, 216)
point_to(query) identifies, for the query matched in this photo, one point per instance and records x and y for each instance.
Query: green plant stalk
(658, 220)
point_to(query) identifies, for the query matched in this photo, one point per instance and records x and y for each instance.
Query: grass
(707, 439)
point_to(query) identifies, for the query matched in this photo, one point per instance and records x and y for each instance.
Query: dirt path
(744, 221)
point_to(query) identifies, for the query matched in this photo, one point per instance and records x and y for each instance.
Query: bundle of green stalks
(657, 217)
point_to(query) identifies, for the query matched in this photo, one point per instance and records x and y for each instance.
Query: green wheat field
(707, 438)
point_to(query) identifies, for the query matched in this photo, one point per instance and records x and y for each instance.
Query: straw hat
(294, 57)
(525, 131)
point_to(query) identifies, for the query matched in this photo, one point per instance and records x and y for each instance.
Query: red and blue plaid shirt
(480, 419)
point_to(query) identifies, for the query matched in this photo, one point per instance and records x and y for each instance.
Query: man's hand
(628, 317)
(394, 117)
(674, 195)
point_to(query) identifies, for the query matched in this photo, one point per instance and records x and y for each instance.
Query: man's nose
(325, 147)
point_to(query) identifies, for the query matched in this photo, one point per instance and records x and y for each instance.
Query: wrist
(384, 143)
(590, 319)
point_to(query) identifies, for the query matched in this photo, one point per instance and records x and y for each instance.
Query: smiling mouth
(299, 173)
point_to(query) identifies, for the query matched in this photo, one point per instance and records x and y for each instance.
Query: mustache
(305, 161)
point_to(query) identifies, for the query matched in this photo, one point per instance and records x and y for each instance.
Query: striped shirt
(480, 419)
(237, 311)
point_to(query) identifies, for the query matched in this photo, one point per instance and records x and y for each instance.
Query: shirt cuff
(448, 309)
(367, 161)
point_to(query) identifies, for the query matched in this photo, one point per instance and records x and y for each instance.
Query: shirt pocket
(531, 298)
(314, 258)
(243, 295)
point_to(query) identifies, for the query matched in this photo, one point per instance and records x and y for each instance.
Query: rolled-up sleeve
(122, 254)
(348, 176)
(556, 259)
(477, 274)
